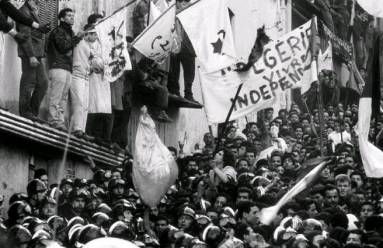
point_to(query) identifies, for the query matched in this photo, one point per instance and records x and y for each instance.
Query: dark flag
(369, 106)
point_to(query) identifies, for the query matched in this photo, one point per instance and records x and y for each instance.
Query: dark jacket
(34, 45)
(61, 42)
(7, 9)
(140, 19)
(5, 26)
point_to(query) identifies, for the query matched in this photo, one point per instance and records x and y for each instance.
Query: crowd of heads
(220, 192)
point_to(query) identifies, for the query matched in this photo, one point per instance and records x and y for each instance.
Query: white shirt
(338, 138)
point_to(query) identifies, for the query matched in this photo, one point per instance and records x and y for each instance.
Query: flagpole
(314, 52)
(147, 21)
(220, 135)
(117, 10)
(211, 130)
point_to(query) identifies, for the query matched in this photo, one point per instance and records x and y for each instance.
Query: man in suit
(34, 79)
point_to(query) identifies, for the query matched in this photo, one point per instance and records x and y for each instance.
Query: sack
(154, 168)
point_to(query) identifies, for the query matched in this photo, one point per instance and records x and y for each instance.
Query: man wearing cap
(66, 186)
(79, 89)
(18, 236)
(48, 208)
(37, 191)
(186, 221)
(123, 211)
(116, 189)
(75, 206)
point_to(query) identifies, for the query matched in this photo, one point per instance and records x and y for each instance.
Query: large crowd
(221, 188)
(220, 192)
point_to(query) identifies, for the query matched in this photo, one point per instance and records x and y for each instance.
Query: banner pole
(222, 134)
(314, 52)
(148, 20)
(211, 130)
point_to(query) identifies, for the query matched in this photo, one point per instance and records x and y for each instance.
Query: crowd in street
(221, 188)
(220, 191)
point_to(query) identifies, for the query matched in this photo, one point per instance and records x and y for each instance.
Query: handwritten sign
(285, 64)
(112, 32)
(157, 40)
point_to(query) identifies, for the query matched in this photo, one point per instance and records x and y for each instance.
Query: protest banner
(111, 32)
(285, 64)
(156, 41)
(208, 27)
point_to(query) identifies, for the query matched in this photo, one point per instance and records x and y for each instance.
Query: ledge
(180, 102)
(44, 134)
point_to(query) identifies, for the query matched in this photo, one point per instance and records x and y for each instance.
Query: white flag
(285, 64)
(156, 41)
(207, 25)
(154, 12)
(325, 59)
(373, 7)
(163, 5)
(112, 32)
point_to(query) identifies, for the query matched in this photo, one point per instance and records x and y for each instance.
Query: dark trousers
(155, 98)
(188, 64)
(120, 127)
(33, 86)
(4, 25)
(100, 125)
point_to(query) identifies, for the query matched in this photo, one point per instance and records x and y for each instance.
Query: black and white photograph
(191, 124)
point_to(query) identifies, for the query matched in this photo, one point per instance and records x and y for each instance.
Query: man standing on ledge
(60, 61)
(34, 81)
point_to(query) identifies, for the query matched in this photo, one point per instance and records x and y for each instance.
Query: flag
(284, 64)
(315, 43)
(373, 7)
(208, 27)
(154, 12)
(325, 61)
(266, 215)
(156, 41)
(163, 5)
(111, 32)
(154, 168)
(369, 105)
